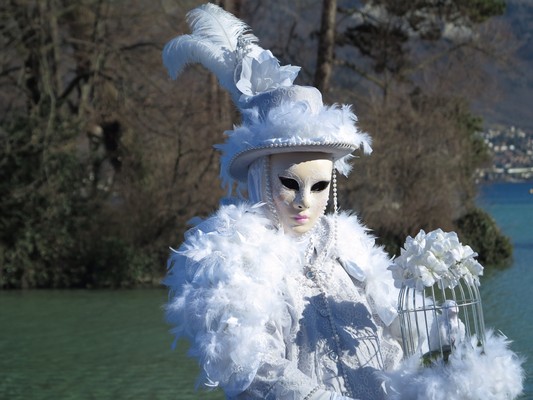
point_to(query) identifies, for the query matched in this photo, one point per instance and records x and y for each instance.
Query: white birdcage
(439, 305)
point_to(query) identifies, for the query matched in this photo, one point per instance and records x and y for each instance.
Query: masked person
(278, 299)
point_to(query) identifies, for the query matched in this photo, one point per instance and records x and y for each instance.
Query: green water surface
(91, 345)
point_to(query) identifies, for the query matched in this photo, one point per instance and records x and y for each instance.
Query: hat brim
(239, 165)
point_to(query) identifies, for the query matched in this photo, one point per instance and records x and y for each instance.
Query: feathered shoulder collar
(368, 263)
(240, 239)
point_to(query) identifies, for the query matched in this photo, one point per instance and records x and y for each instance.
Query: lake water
(90, 345)
(115, 345)
(507, 294)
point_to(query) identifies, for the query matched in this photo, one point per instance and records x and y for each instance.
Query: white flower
(436, 257)
(263, 73)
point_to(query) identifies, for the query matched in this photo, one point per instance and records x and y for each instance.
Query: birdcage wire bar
(417, 309)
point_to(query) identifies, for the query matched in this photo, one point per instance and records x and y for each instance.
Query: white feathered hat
(277, 115)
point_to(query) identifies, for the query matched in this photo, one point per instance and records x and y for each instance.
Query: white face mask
(300, 188)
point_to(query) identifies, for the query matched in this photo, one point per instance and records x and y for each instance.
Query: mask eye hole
(320, 186)
(289, 183)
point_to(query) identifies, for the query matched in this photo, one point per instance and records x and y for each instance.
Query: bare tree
(326, 45)
(116, 157)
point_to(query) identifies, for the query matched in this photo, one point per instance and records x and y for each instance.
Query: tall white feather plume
(214, 43)
(276, 113)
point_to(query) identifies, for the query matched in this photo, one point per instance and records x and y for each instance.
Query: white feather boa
(226, 286)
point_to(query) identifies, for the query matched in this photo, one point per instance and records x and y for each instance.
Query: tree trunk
(326, 45)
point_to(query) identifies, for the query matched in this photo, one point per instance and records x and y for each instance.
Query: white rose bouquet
(435, 257)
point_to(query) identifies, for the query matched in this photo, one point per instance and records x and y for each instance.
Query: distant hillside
(516, 86)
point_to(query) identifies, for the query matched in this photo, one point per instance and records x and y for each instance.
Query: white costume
(265, 321)
(277, 300)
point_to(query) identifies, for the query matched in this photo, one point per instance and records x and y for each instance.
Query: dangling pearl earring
(334, 181)
(335, 205)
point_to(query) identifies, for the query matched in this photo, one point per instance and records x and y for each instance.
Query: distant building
(512, 155)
